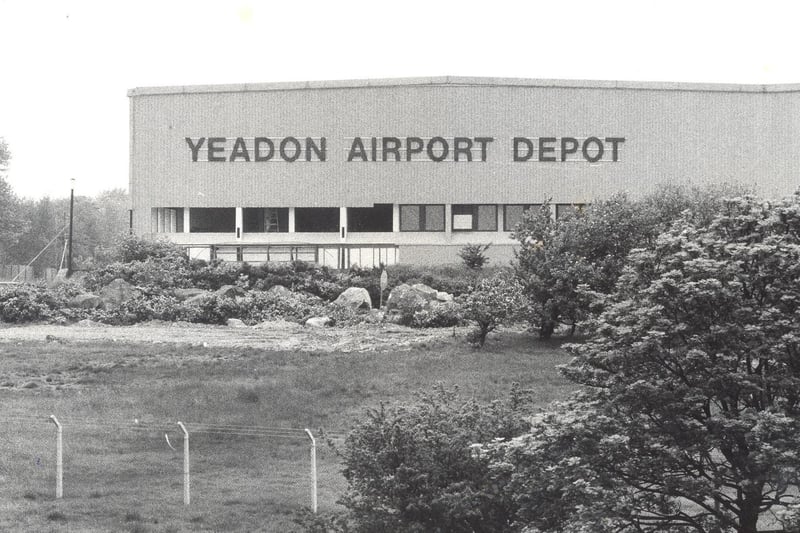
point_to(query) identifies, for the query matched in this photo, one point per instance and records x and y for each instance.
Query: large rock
(184, 294)
(409, 297)
(229, 291)
(279, 290)
(236, 323)
(118, 291)
(197, 299)
(319, 322)
(86, 301)
(444, 296)
(354, 297)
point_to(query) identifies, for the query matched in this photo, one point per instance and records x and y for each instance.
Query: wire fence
(67, 456)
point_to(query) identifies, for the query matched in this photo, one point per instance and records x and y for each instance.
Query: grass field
(121, 477)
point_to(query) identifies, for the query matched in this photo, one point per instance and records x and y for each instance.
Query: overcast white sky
(67, 65)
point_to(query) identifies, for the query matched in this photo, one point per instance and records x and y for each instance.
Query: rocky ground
(278, 335)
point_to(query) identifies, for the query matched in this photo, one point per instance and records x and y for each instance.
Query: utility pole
(71, 204)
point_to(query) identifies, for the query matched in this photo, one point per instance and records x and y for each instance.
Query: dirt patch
(278, 335)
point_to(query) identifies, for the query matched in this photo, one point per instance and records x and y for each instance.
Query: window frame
(525, 207)
(474, 218)
(422, 218)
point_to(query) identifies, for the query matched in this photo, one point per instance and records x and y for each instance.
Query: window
(316, 219)
(513, 213)
(422, 218)
(166, 220)
(212, 220)
(265, 219)
(473, 217)
(370, 219)
(563, 210)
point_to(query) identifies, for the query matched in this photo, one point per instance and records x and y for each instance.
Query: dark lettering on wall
(257, 149)
(214, 149)
(615, 141)
(414, 145)
(444, 150)
(390, 145)
(195, 148)
(519, 141)
(357, 150)
(545, 149)
(296, 151)
(239, 150)
(569, 145)
(585, 149)
(483, 141)
(462, 146)
(320, 150)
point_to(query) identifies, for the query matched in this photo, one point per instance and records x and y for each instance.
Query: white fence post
(59, 463)
(313, 471)
(186, 479)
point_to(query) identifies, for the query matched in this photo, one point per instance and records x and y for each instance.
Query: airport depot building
(411, 170)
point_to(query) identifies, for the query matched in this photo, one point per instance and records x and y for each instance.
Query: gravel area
(278, 335)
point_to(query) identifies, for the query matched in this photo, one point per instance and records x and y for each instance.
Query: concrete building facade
(411, 170)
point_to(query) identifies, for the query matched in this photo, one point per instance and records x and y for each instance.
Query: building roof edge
(461, 81)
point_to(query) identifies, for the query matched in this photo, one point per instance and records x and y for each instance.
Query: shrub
(439, 315)
(28, 303)
(414, 468)
(474, 255)
(494, 301)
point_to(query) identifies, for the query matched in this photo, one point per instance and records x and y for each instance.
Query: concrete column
(448, 218)
(239, 223)
(161, 213)
(395, 218)
(500, 218)
(186, 220)
(342, 224)
(291, 220)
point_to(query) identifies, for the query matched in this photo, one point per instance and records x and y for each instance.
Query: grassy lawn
(120, 476)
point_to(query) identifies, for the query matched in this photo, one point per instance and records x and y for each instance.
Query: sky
(67, 65)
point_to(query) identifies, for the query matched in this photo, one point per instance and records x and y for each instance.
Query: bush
(474, 255)
(414, 468)
(29, 303)
(439, 315)
(494, 301)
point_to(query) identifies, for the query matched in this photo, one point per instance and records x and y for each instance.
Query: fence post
(186, 479)
(313, 471)
(59, 463)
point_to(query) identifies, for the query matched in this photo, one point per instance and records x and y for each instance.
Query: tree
(494, 301)
(11, 221)
(590, 247)
(585, 248)
(415, 468)
(689, 416)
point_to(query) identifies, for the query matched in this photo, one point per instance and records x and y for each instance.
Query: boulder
(86, 301)
(279, 290)
(196, 300)
(444, 296)
(184, 294)
(236, 323)
(319, 322)
(409, 297)
(229, 291)
(354, 297)
(118, 291)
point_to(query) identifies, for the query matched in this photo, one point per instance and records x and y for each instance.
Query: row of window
(417, 217)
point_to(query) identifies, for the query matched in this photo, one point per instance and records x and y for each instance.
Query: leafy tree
(474, 255)
(415, 468)
(689, 418)
(11, 221)
(493, 301)
(589, 247)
